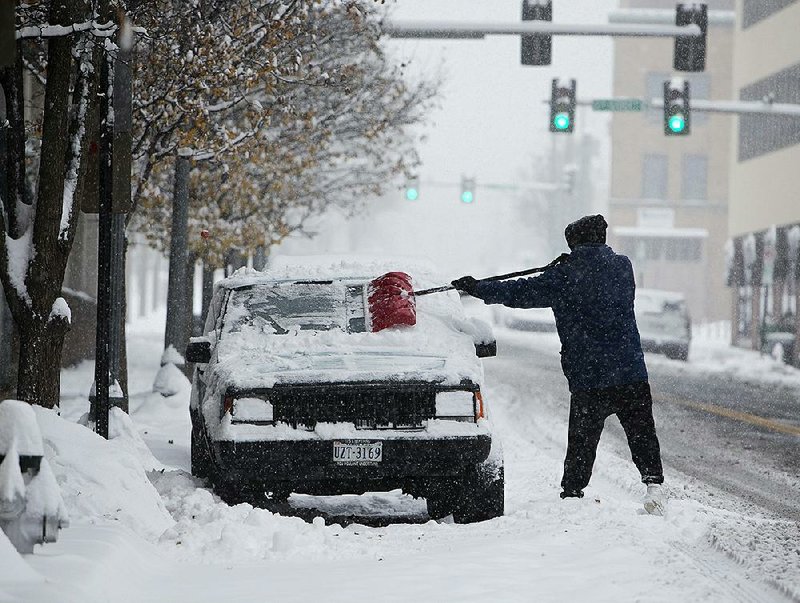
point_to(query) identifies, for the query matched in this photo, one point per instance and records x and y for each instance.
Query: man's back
(592, 298)
(595, 320)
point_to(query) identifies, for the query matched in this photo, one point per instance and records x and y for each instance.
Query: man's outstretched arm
(536, 292)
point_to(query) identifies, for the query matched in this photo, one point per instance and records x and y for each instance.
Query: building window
(699, 88)
(754, 11)
(694, 177)
(654, 176)
(682, 250)
(761, 134)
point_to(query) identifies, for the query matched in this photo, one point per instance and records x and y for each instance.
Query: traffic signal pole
(453, 30)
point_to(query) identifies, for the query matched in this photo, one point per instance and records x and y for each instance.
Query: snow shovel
(391, 298)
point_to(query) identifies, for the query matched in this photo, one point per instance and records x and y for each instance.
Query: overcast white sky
(490, 124)
(492, 119)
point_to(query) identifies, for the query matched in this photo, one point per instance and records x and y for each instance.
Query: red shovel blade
(390, 300)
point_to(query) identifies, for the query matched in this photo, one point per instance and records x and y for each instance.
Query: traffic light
(467, 190)
(537, 48)
(690, 51)
(677, 112)
(562, 106)
(412, 189)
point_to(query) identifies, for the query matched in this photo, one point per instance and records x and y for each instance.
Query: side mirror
(483, 336)
(198, 350)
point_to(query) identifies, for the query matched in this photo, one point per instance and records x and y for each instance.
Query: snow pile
(170, 380)
(748, 366)
(209, 530)
(31, 508)
(172, 356)
(13, 567)
(104, 479)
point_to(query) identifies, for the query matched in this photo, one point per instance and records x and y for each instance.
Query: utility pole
(114, 203)
(104, 249)
(8, 38)
(176, 332)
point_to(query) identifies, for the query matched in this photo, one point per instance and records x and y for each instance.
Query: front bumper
(308, 465)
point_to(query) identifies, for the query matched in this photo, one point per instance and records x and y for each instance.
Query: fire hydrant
(31, 508)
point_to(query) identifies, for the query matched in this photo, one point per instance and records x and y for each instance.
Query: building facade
(669, 195)
(765, 179)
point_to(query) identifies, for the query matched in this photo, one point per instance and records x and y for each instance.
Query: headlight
(456, 406)
(251, 410)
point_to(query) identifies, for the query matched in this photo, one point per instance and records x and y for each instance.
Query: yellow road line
(737, 415)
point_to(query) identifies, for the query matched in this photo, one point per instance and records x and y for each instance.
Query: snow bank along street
(142, 529)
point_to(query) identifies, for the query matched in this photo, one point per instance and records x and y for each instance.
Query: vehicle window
(284, 308)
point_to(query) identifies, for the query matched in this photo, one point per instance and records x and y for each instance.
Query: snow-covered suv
(292, 392)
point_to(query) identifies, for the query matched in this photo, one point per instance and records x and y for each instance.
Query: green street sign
(618, 104)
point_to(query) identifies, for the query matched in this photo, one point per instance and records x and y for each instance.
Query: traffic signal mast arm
(459, 30)
(737, 107)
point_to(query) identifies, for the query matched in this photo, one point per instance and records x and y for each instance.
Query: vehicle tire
(233, 493)
(483, 495)
(678, 354)
(440, 504)
(200, 458)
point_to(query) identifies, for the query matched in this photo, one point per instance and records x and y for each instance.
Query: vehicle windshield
(281, 308)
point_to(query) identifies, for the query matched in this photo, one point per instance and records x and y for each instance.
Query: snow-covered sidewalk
(142, 529)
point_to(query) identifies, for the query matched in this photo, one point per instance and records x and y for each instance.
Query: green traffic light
(561, 121)
(412, 194)
(677, 124)
(467, 196)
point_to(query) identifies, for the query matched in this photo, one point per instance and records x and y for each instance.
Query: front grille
(367, 406)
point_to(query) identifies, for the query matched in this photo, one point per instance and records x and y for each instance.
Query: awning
(644, 232)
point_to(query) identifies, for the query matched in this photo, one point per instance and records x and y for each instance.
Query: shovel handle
(500, 277)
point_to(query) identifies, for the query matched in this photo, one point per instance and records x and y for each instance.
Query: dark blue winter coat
(592, 298)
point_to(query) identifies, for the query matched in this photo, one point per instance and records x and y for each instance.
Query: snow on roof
(326, 267)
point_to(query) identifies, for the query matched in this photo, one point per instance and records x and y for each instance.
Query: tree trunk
(39, 378)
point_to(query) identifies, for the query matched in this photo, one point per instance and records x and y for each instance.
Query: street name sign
(618, 104)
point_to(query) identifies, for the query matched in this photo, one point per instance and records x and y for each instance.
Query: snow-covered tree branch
(295, 114)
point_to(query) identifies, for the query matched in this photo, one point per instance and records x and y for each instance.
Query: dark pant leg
(635, 411)
(587, 414)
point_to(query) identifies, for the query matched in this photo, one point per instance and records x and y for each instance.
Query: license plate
(357, 452)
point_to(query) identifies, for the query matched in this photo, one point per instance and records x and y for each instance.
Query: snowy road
(142, 535)
(739, 436)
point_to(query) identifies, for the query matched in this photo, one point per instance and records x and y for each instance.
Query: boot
(655, 500)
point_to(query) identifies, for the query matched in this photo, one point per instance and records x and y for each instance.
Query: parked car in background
(292, 392)
(664, 323)
(541, 320)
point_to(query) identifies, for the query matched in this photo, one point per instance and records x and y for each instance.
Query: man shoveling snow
(591, 294)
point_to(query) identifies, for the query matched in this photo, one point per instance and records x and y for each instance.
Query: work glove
(467, 284)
